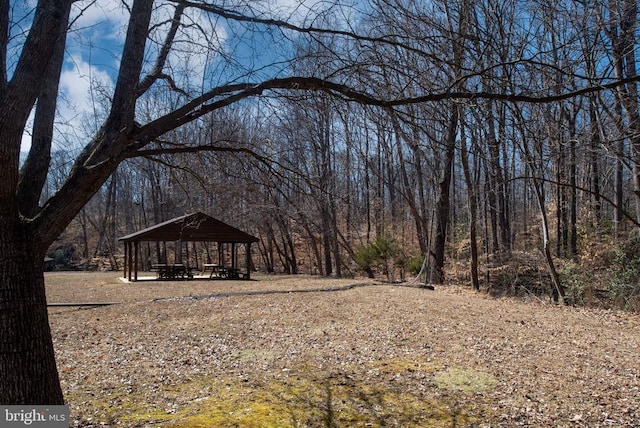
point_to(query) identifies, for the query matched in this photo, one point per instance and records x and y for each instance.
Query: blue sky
(95, 42)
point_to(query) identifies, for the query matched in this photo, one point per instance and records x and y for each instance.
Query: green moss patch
(384, 393)
(470, 381)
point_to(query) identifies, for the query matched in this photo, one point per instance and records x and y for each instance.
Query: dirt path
(266, 354)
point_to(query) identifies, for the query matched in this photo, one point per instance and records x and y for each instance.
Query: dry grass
(272, 353)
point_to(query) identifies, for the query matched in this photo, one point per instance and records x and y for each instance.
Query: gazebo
(196, 227)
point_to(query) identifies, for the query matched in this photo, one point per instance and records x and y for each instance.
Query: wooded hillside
(522, 174)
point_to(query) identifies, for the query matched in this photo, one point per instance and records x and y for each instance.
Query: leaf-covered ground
(295, 351)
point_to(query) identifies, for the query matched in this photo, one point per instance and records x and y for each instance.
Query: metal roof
(191, 227)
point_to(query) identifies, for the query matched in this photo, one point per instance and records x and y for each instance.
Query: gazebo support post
(234, 262)
(136, 245)
(248, 259)
(130, 262)
(126, 255)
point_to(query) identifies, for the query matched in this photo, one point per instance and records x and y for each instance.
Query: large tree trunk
(28, 373)
(27, 361)
(443, 206)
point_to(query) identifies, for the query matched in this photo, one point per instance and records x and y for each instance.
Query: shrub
(376, 253)
(624, 287)
(64, 257)
(414, 264)
(578, 287)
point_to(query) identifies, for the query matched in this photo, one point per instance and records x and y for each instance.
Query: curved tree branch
(225, 95)
(156, 73)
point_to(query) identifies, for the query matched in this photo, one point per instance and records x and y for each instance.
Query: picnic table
(174, 271)
(218, 271)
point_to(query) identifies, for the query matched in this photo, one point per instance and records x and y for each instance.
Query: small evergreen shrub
(375, 254)
(414, 264)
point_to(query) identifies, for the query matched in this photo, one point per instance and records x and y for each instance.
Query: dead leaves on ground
(369, 356)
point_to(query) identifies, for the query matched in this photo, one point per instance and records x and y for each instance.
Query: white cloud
(90, 13)
(76, 82)
(196, 43)
(82, 92)
(85, 91)
(95, 43)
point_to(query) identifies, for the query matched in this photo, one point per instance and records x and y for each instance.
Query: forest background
(516, 181)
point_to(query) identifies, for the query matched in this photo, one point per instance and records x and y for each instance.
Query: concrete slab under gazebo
(196, 227)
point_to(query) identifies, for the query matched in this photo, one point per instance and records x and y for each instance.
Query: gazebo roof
(191, 227)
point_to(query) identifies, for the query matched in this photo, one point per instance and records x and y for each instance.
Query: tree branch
(156, 72)
(626, 214)
(5, 7)
(148, 153)
(235, 92)
(18, 96)
(235, 16)
(33, 173)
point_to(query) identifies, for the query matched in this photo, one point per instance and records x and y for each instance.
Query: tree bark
(33, 174)
(497, 198)
(558, 290)
(27, 360)
(594, 128)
